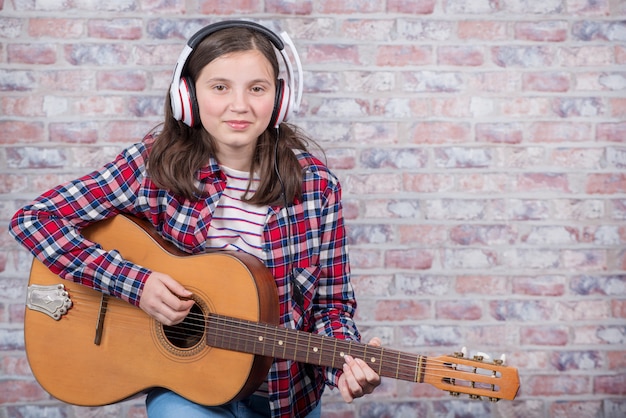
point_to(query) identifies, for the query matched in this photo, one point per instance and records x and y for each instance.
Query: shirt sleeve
(335, 302)
(50, 226)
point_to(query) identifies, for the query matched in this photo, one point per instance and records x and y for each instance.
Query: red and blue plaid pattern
(304, 245)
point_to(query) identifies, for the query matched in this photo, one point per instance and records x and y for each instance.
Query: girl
(223, 172)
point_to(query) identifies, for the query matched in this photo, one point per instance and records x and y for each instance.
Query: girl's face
(235, 94)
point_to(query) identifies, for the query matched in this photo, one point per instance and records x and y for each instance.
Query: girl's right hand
(164, 299)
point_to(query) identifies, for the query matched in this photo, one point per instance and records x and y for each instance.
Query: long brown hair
(179, 151)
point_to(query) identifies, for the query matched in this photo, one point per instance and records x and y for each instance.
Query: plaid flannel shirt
(315, 251)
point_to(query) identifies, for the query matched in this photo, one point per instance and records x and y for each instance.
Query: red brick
(31, 54)
(11, 365)
(557, 385)
(482, 29)
(403, 55)
(458, 310)
(13, 132)
(589, 7)
(13, 183)
(611, 132)
(29, 106)
(549, 82)
(544, 335)
(125, 131)
(618, 308)
(341, 159)
(365, 258)
(461, 56)
(560, 132)
(610, 385)
(440, 132)
(431, 235)
(501, 133)
(409, 259)
(540, 285)
(13, 391)
(618, 106)
(482, 285)
(297, 7)
(122, 80)
(610, 183)
(128, 29)
(483, 235)
(570, 409)
(402, 310)
(56, 28)
(620, 54)
(74, 133)
(101, 105)
(228, 7)
(616, 360)
(428, 183)
(411, 6)
(483, 183)
(546, 31)
(543, 182)
(333, 53)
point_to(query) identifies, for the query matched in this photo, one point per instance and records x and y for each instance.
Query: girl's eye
(258, 89)
(219, 87)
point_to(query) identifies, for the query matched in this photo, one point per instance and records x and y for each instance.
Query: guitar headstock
(477, 376)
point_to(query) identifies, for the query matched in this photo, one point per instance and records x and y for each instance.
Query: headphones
(183, 93)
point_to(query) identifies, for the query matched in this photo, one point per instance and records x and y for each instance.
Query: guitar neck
(288, 344)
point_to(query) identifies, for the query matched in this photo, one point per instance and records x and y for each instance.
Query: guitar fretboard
(288, 344)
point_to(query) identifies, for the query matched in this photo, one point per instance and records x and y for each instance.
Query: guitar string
(200, 317)
(408, 368)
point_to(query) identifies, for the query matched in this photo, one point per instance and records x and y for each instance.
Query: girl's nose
(239, 102)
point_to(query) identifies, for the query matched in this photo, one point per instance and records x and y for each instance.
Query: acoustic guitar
(89, 349)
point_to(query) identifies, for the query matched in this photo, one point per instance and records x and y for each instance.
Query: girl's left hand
(358, 378)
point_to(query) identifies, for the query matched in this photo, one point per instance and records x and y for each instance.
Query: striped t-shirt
(237, 225)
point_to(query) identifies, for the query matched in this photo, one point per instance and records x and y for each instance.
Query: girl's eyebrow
(226, 80)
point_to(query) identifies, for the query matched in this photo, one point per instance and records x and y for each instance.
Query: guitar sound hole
(188, 333)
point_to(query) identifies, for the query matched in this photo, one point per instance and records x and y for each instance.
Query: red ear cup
(281, 103)
(189, 104)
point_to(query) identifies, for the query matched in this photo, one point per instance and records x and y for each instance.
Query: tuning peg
(500, 361)
(461, 354)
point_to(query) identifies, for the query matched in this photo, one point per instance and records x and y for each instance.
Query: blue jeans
(162, 403)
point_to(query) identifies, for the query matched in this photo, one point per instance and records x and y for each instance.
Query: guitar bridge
(52, 300)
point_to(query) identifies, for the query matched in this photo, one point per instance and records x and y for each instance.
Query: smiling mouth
(238, 124)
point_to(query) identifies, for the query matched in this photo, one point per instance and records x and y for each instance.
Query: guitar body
(94, 355)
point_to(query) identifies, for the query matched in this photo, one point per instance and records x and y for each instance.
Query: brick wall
(480, 144)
